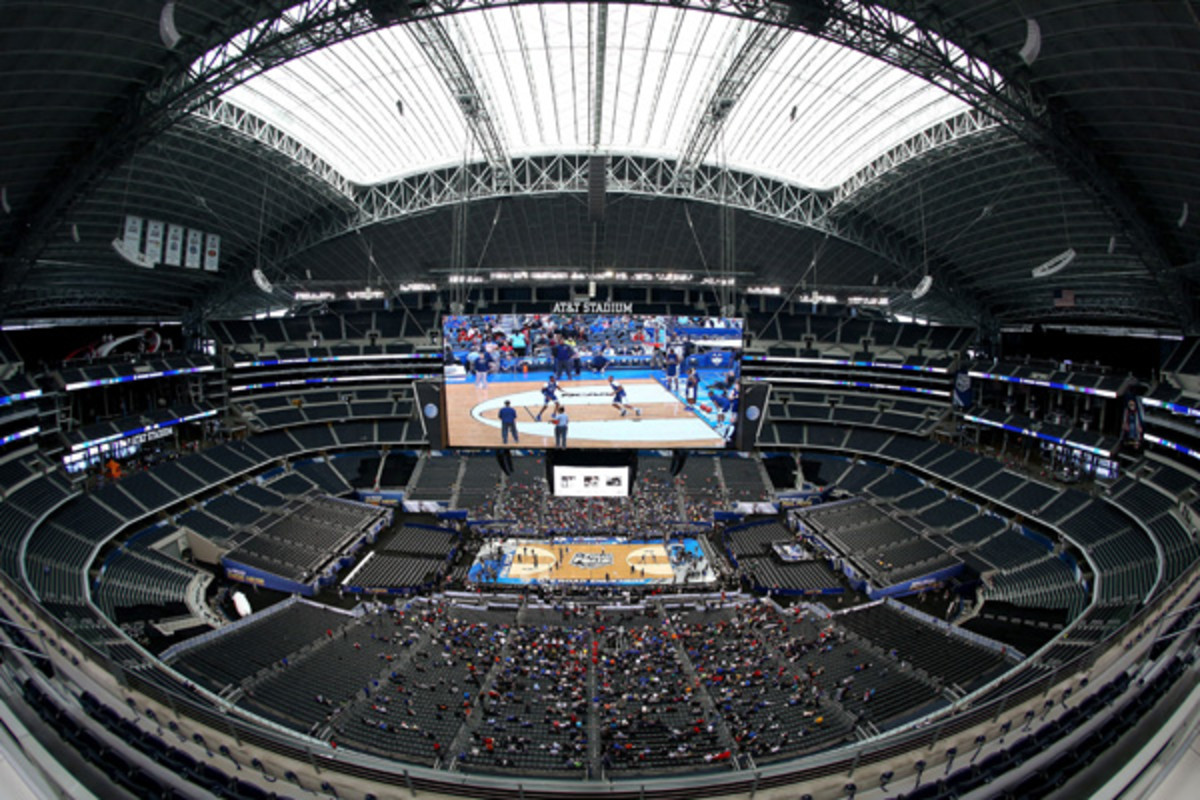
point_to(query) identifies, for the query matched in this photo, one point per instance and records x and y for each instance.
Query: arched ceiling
(276, 125)
(571, 77)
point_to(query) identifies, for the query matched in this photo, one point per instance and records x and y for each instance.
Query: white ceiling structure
(921, 138)
(375, 107)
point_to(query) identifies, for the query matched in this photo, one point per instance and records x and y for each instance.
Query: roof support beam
(914, 35)
(451, 64)
(1113, 310)
(911, 34)
(599, 57)
(638, 175)
(747, 64)
(935, 137)
(221, 112)
(261, 35)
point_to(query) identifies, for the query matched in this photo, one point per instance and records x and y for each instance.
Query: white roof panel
(814, 115)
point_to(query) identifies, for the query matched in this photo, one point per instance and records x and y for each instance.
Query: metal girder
(600, 58)
(86, 298)
(1110, 308)
(907, 253)
(431, 35)
(746, 65)
(267, 35)
(1023, 110)
(262, 36)
(943, 134)
(227, 115)
(638, 175)
(556, 174)
(910, 34)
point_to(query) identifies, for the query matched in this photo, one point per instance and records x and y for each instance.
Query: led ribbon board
(1178, 448)
(1097, 451)
(140, 376)
(886, 387)
(1066, 387)
(279, 362)
(13, 398)
(1174, 408)
(13, 437)
(332, 379)
(844, 362)
(116, 437)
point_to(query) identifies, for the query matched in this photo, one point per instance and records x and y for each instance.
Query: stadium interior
(638, 400)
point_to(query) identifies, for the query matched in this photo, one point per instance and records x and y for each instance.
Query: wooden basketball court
(579, 562)
(589, 561)
(597, 560)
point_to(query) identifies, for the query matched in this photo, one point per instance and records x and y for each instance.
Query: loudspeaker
(504, 459)
(678, 460)
(597, 184)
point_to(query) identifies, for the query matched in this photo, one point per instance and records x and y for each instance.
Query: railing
(959, 718)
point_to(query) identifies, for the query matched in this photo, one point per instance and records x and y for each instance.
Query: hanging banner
(212, 252)
(174, 256)
(195, 248)
(154, 242)
(132, 241)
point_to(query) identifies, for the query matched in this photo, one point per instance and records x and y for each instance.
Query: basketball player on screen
(691, 388)
(672, 369)
(549, 396)
(619, 398)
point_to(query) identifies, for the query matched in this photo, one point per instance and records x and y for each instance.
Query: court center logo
(592, 560)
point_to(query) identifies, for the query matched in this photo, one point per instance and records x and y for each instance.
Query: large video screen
(591, 381)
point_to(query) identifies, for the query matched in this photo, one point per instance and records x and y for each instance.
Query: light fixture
(1033, 42)
(75, 233)
(261, 281)
(1056, 264)
(923, 287)
(4, 200)
(1183, 215)
(166, 26)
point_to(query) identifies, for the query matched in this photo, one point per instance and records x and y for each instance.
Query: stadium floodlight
(166, 26)
(1033, 42)
(1056, 264)
(923, 287)
(261, 280)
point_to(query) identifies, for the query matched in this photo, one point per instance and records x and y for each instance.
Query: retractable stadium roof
(855, 145)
